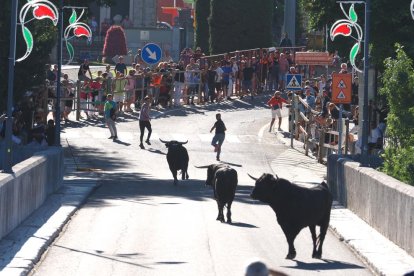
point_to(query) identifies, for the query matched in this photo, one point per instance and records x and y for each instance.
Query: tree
(202, 32)
(115, 42)
(390, 23)
(240, 24)
(398, 87)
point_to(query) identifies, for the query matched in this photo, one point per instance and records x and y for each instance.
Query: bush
(398, 87)
(115, 43)
(202, 34)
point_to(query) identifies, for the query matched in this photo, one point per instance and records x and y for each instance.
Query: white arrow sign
(152, 55)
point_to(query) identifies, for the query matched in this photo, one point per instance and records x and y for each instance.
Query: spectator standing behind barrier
(310, 99)
(283, 69)
(110, 116)
(178, 82)
(247, 85)
(275, 104)
(130, 90)
(145, 122)
(83, 69)
(285, 42)
(220, 135)
(68, 93)
(120, 66)
(227, 76)
(211, 82)
(219, 79)
(118, 88)
(192, 80)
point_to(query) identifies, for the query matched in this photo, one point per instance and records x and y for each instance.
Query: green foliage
(202, 32)
(398, 88)
(240, 24)
(115, 42)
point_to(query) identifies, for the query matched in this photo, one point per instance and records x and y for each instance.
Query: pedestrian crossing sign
(341, 88)
(294, 82)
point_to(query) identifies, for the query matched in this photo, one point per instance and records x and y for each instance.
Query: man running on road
(218, 138)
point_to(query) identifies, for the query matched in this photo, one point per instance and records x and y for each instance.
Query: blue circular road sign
(151, 53)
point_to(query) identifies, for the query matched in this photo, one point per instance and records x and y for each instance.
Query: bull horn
(183, 143)
(165, 142)
(255, 179)
(202, 167)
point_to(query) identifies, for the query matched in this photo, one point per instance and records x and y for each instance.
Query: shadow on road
(325, 265)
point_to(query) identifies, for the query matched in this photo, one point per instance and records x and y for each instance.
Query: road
(138, 223)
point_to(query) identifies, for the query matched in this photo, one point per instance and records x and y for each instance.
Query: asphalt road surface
(138, 223)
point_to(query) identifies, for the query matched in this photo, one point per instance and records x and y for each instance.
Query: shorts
(218, 139)
(276, 112)
(282, 76)
(119, 96)
(129, 95)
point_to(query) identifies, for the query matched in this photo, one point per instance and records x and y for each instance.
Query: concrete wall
(382, 201)
(24, 191)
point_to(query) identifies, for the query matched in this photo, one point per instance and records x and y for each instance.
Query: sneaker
(279, 129)
(115, 138)
(218, 158)
(141, 146)
(111, 137)
(148, 142)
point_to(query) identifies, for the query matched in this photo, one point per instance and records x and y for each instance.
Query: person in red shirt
(275, 103)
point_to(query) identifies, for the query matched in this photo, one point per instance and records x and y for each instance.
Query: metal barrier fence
(319, 134)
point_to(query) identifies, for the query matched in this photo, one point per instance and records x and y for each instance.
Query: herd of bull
(296, 207)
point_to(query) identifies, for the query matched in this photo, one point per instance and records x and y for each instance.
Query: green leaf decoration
(71, 51)
(73, 17)
(354, 53)
(28, 37)
(352, 14)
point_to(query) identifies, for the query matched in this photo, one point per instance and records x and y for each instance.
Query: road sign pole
(58, 83)
(9, 122)
(340, 130)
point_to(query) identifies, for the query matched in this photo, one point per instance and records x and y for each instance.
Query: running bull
(296, 207)
(223, 179)
(177, 158)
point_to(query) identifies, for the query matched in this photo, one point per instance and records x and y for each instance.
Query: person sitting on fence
(118, 88)
(83, 69)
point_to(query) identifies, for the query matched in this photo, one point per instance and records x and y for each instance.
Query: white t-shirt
(219, 75)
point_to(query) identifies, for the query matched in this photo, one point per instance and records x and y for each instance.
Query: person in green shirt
(109, 113)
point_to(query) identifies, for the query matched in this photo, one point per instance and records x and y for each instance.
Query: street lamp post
(365, 118)
(59, 73)
(343, 27)
(9, 122)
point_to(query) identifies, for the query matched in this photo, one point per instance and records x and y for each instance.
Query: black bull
(296, 207)
(223, 179)
(177, 158)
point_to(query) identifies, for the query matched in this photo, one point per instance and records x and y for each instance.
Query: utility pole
(8, 157)
(59, 73)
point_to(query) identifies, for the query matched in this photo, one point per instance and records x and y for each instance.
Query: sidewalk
(23, 247)
(382, 256)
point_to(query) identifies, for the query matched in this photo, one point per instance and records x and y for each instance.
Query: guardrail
(322, 136)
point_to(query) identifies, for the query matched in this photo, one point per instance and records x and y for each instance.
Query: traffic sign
(293, 82)
(341, 88)
(151, 53)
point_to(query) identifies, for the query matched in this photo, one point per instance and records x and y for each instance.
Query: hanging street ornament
(78, 29)
(344, 27)
(412, 9)
(41, 9)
